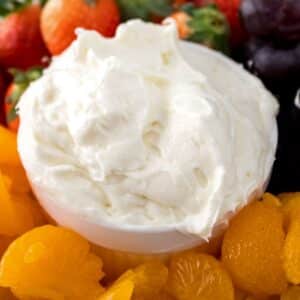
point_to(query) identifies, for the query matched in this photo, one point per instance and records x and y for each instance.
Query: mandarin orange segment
(29, 203)
(239, 295)
(285, 197)
(272, 200)
(6, 294)
(17, 176)
(122, 290)
(197, 276)
(5, 202)
(14, 219)
(8, 145)
(291, 253)
(262, 297)
(115, 263)
(129, 274)
(165, 296)
(213, 247)
(5, 241)
(252, 249)
(51, 263)
(149, 280)
(291, 207)
(292, 293)
(18, 213)
(256, 298)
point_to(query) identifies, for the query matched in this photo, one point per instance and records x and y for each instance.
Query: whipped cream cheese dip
(125, 131)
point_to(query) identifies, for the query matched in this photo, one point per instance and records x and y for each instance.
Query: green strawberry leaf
(21, 81)
(144, 9)
(10, 6)
(12, 114)
(43, 2)
(210, 27)
(90, 2)
(188, 8)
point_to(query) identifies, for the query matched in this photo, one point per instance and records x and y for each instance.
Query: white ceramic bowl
(163, 239)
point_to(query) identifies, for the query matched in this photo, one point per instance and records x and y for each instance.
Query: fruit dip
(125, 131)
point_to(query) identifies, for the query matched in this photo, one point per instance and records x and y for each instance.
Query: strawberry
(21, 80)
(201, 3)
(60, 18)
(2, 91)
(21, 43)
(179, 2)
(2, 85)
(230, 9)
(205, 25)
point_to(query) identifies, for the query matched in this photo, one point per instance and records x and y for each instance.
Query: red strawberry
(1, 85)
(231, 10)
(60, 18)
(2, 91)
(21, 43)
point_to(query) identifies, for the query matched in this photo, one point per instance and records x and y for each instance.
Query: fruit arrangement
(258, 257)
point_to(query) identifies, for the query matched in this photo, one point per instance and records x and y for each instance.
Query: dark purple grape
(259, 16)
(253, 45)
(288, 20)
(273, 63)
(273, 18)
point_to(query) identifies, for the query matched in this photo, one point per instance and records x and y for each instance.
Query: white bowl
(163, 239)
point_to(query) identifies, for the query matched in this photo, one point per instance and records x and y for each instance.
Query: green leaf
(43, 2)
(22, 80)
(91, 2)
(210, 27)
(25, 77)
(144, 9)
(188, 8)
(10, 6)
(12, 114)
(160, 8)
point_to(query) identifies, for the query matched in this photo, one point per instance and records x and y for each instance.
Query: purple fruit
(274, 63)
(277, 18)
(258, 15)
(288, 20)
(253, 45)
